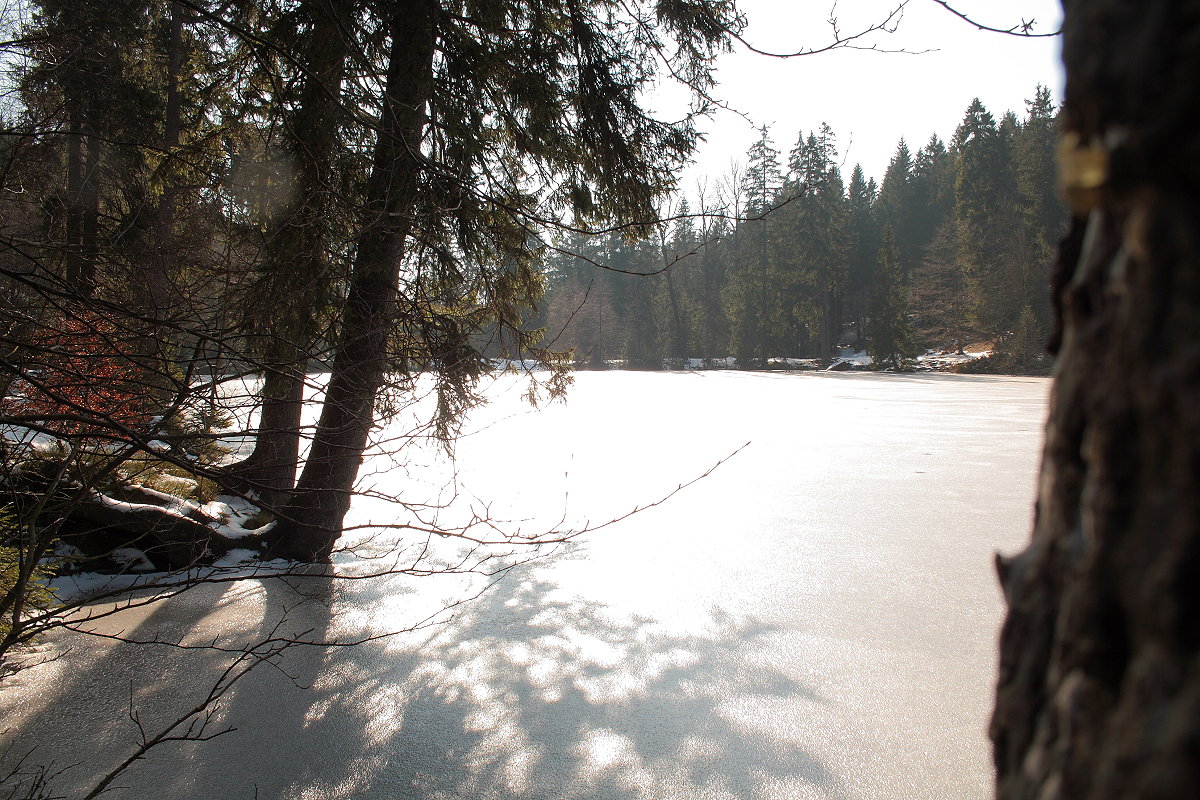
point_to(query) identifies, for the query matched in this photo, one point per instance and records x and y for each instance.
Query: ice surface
(815, 619)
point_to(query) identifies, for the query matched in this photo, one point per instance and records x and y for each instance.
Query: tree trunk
(297, 257)
(312, 521)
(1099, 690)
(270, 470)
(79, 275)
(165, 250)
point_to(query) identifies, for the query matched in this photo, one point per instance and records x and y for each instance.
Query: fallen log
(173, 534)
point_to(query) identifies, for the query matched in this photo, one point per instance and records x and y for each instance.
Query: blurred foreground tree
(1099, 690)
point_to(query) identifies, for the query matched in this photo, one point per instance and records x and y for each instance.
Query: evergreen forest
(785, 258)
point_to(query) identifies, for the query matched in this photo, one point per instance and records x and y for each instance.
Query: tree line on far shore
(785, 258)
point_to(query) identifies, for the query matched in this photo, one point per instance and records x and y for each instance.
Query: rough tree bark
(1099, 691)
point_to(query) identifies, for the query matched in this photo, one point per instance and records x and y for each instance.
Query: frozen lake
(814, 619)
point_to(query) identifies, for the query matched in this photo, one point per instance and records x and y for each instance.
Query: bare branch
(843, 41)
(1024, 29)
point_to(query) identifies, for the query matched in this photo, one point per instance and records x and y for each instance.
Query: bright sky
(871, 99)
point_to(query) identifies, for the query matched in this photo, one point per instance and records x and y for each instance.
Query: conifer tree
(938, 296)
(679, 292)
(983, 208)
(1042, 215)
(647, 321)
(295, 270)
(896, 203)
(863, 237)
(711, 334)
(123, 116)
(81, 78)
(812, 248)
(476, 102)
(833, 273)
(753, 312)
(889, 336)
(933, 178)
